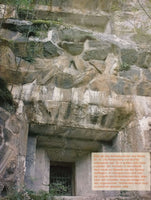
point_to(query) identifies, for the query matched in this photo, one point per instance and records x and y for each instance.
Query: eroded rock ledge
(82, 77)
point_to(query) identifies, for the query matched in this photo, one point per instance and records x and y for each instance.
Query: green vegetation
(40, 22)
(55, 189)
(144, 66)
(18, 3)
(47, 22)
(124, 67)
(29, 59)
(26, 195)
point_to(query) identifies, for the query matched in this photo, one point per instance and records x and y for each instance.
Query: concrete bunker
(60, 154)
(60, 161)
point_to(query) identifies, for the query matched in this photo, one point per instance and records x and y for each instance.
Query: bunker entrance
(61, 179)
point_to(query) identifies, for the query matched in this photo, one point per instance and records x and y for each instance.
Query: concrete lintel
(65, 155)
(72, 132)
(60, 142)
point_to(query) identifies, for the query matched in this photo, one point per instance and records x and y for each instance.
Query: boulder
(144, 89)
(97, 50)
(74, 35)
(72, 48)
(129, 56)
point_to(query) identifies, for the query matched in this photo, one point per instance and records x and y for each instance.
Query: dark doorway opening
(62, 179)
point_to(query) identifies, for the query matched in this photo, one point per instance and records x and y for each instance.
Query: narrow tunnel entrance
(62, 178)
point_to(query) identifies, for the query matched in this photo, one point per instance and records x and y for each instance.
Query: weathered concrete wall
(83, 179)
(30, 163)
(42, 171)
(37, 167)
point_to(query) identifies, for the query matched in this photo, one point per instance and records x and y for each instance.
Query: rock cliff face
(81, 74)
(13, 144)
